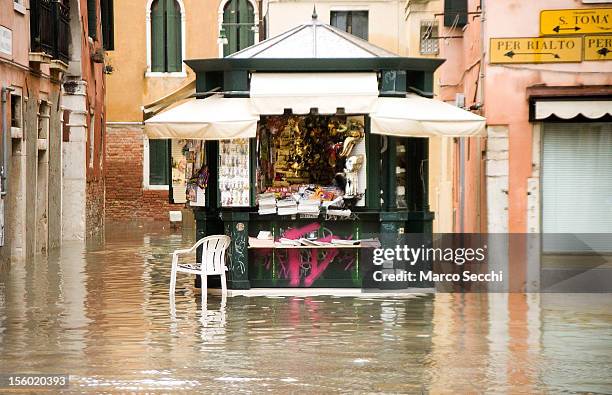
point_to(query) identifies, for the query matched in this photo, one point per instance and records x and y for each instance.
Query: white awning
(272, 93)
(213, 118)
(416, 116)
(568, 109)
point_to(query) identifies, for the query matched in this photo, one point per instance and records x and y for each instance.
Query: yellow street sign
(598, 47)
(536, 50)
(576, 21)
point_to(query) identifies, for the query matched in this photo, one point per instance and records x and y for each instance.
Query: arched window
(238, 25)
(166, 41)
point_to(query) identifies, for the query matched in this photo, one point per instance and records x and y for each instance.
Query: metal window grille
(429, 40)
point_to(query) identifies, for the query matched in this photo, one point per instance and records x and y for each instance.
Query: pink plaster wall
(505, 93)
(505, 89)
(460, 74)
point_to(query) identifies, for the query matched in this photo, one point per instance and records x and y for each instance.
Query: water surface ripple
(101, 314)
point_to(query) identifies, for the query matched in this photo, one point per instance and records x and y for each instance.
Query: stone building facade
(148, 74)
(52, 121)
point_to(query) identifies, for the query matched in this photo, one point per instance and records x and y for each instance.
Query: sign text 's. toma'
(576, 21)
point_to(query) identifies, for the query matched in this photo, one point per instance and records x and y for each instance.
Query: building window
(159, 162)
(238, 26)
(455, 13)
(354, 22)
(166, 41)
(429, 40)
(92, 18)
(43, 119)
(108, 30)
(16, 112)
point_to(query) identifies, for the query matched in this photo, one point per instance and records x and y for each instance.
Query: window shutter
(108, 30)
(157, 36)
(158, 162)
(455, 13)
(173, 36)
(92, 19)
(230, 18)
(246, 18)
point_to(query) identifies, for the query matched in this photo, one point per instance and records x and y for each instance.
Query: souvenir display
(303, 161)
(196, 173)
(234, 180)
(303, 199)
(353, 165)
(304, 158)
(401, 175)
(179, 171)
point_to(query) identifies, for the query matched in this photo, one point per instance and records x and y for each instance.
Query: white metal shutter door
(577, 181)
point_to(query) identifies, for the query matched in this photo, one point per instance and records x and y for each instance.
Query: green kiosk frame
(381, 213)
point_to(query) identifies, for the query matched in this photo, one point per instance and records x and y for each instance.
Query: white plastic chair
(213, 263)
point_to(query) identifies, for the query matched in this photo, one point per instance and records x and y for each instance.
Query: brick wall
(125, 197)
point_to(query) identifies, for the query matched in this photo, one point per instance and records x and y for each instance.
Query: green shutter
(246, 18)
(157, 36)
(158, 162)
(173, 36)
(230, 15)
(238, 21)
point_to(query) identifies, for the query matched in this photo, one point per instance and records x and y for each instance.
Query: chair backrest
(213, 253)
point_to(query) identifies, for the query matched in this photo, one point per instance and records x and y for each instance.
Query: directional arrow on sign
(603, 51)
(511, 54)
(556, 29)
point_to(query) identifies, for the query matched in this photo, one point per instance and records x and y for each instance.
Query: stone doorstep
(340, 292)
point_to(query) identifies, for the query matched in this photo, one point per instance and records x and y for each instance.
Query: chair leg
(204, 290)
(172, 306)
(173, 281)
(223, 285)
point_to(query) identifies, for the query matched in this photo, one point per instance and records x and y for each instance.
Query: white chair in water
(213, 263)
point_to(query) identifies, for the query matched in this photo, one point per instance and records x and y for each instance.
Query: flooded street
(101, 314)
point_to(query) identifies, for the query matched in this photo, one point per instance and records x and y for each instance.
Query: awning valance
(217, 118)
(213, 118)
(416, 116)
(568, 109)
(272, 93)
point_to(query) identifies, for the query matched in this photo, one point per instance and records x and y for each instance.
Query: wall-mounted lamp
(222, 37)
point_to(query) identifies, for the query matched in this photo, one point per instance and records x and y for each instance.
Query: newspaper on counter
(267, 203)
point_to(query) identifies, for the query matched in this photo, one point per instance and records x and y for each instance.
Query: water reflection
(103, 315)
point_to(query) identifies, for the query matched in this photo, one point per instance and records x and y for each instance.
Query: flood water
(101, 314)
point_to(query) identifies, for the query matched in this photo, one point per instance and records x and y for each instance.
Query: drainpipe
(462, 184)
(483, 66)
(483, 19)
(5, 141)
